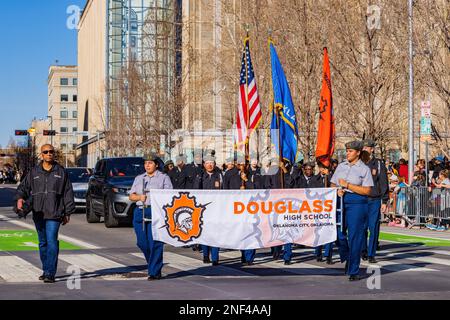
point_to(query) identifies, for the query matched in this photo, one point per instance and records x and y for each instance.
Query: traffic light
(21, 132)
(49, 133)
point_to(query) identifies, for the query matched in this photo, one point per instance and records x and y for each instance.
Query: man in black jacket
(52, 203)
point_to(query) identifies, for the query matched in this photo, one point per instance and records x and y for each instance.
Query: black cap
(168, 162)
(355, 145)
(369, 143)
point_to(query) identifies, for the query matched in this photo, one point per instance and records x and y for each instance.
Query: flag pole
(278, 111)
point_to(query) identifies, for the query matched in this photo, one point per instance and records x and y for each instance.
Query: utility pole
(411, 96)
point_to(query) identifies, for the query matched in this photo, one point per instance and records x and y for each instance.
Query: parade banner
(244, 219)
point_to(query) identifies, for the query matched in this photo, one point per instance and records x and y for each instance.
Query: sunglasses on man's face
(48, 151)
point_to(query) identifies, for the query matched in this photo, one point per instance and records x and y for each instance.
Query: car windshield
(125, 167)
(80, 175)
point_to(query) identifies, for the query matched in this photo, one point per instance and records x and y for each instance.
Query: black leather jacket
(51, 191)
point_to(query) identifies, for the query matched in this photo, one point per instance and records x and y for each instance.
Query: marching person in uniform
(194, 170)
(235, 179)
(322, 180)
(378, 199)
(210, 179)
(355, 180)
(153, 178)
(274, 182)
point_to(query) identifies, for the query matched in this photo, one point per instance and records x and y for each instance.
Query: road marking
(74, 241)
(197, 266)
(90, 262)
(397, 267)
(425, 237)
(418, 257)
(15, 269)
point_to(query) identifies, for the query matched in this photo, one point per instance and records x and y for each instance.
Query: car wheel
(110, 220)
(91, 217)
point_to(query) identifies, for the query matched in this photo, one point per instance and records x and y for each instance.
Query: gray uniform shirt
(358, 174)
(145, 182)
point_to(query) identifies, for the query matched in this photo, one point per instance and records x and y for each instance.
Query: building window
(63, 130)
(64, 82)
(64, 98)
(74, 114)
(64, 114)
(75, 98)
(75, 81)
(74, 129)
(63, 146)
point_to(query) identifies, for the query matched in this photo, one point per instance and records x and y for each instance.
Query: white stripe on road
(197, 266)
(15, 269)
(418, 257)
(74, 241)
(90, 262)
(396, 266)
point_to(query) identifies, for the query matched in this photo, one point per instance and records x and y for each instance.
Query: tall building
(63, 110)
(114, 35)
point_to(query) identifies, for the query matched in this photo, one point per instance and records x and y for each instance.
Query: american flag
(248, 114)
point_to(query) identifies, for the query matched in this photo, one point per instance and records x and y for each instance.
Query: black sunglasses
(48, 151)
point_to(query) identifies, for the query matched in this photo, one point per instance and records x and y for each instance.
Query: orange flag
(326, 129)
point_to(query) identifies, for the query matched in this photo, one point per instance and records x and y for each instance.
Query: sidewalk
(444, 235)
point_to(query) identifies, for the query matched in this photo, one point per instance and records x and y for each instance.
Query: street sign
(82, 133)
(425, 121)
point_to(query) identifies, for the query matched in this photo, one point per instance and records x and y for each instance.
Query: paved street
(112, 267)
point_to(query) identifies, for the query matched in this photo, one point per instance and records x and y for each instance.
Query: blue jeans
(47, 231)
(152, 249)
(328, 250)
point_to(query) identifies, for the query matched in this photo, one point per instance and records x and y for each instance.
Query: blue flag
(282, 101)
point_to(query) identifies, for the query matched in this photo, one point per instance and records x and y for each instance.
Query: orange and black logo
(184, 218)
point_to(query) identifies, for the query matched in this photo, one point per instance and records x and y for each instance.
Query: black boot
(364, 255)
(319, 258)
(329, 260)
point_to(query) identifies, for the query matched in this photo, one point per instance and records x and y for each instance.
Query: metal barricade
(419, 205)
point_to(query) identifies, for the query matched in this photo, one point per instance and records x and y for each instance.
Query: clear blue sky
(34, 35)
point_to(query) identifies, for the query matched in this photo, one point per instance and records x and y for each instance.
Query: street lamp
(411, 96)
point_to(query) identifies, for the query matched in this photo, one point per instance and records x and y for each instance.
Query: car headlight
(121, 190)
(79, 194)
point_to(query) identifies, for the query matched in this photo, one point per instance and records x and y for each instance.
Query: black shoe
(372, 260)
(215, 263)
(250, 263)
(346, 268)
(49, 279)
(41, 278)
(354, 277)
(206, 260)
(287, 262)
(157, 277)
(276, 255)
(319, 258)
(329, 260)
(364, 256)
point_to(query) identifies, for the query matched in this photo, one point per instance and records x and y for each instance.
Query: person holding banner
(153, 178)
(210, 179)
(355, 181)
(274, 181)
(322, 180)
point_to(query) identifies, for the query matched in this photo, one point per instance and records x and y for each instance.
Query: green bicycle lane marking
(26, 240)
(414, 239)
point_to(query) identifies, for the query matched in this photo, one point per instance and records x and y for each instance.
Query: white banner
(244, 219)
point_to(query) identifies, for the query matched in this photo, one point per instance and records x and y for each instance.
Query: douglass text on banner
(244, 219)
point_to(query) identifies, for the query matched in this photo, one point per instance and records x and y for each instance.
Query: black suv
(108, 191)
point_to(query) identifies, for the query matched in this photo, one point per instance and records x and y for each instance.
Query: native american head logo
(184, 218)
